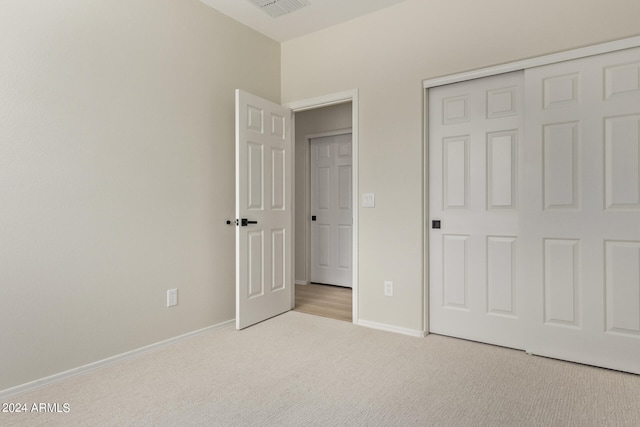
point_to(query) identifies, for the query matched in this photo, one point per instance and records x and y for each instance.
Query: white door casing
(475, 132)
(331, 210)
(264, 180)
(324, 101)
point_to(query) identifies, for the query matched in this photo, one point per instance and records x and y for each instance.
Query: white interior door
(582, 210)
(264, 232)
(475, 132)
(331, 210)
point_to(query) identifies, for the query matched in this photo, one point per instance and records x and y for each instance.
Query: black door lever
(244, 222)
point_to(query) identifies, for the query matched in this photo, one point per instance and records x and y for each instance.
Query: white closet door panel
(581, 216)
(475, 131)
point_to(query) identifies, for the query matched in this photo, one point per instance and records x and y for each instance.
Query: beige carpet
(304, 370)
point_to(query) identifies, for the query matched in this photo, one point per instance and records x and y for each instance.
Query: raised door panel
(278, 259)
(456, 172)
(255, 178)
(255, 265)
(501, 276)
(561, 165)
(622, 283)
(561, 90)
(322, 245)
(455, 272)
(622, 80)
(622, 162)
(562, 282)
(502, 169)
(278, 183)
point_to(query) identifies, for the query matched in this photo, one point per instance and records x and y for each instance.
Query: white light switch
(368, 200)
(388, 288)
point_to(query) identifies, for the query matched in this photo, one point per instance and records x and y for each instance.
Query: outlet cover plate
(172, 297)
(368, 200)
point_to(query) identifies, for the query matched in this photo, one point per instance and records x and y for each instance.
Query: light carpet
(303, 370)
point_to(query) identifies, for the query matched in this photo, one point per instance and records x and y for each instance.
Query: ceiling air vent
(277, 8)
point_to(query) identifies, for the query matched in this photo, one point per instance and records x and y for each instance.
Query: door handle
(244, 222)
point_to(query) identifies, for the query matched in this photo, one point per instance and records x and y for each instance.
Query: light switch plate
(388, 288)
(368, 200)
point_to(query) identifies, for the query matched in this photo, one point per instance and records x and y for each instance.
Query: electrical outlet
(368, 200)
(388, 288)
(172, 297)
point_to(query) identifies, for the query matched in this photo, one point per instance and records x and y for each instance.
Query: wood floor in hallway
(325, 300)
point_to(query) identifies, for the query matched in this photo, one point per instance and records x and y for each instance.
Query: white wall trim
(23, 388)
(391, 328)
(325, 101)
(301, 282)
(426, 213)
(535, 62)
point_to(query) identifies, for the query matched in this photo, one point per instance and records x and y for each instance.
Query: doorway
(334, 114)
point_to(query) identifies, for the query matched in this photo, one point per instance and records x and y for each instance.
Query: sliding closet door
(581, 215)
(534, 200)
(475, 136)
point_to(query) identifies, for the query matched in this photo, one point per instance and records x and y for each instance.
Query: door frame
(567, 55)
(326, 101)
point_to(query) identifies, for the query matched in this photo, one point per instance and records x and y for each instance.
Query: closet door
(534, 201)
(475, 137)
(580, 223)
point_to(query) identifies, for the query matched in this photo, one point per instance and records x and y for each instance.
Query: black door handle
(244, 222)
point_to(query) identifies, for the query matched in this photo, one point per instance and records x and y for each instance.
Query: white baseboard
(23, 388)
(391, 328)
(301, 282)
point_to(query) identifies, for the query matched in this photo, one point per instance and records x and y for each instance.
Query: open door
(264, 209)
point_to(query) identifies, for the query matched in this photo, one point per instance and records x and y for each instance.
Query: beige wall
(311, 122)
(117, 174)
(386, 55)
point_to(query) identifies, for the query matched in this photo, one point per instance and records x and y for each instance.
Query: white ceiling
(318, 15)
